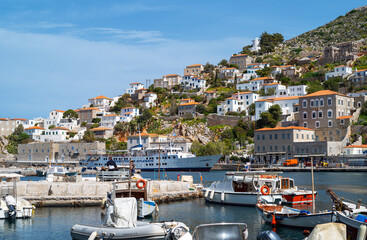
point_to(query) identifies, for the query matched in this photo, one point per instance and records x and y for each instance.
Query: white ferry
(150, 159)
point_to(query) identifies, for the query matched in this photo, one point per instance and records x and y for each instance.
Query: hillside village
(251, 106)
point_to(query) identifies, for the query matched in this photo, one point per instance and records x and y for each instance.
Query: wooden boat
(352, 214)
(293, 217)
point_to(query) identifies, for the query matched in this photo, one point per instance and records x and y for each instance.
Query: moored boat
(243, 188)
(293, 217)
(121, 223)
(12, 206)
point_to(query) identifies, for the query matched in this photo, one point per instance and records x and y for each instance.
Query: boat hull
(146, 232)
(296, 199)
(234, 198)
(352, 223)
(151, 163)
(303, 221)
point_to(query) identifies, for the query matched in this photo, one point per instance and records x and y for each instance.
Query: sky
(58, 54)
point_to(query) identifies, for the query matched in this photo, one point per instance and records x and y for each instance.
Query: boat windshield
(220, 232)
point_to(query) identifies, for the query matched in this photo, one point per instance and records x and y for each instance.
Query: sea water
(55, 223)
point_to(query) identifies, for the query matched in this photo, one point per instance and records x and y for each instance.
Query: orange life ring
(267, 190)
(141, 181)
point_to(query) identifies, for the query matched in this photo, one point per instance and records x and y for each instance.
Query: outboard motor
(268, 235)
(11, 203)
(179, 233)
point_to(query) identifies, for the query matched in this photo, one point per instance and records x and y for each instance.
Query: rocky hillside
(351, 26)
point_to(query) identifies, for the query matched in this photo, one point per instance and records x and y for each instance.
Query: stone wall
(214, 119)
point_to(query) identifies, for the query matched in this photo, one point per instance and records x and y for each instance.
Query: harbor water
(55, 223)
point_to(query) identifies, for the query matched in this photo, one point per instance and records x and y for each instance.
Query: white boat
(12, 206)
(243, 188)
(121, 223)
(293, 217)
(348, 212)
(171, 158)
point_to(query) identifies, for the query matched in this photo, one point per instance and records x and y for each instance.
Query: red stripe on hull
(298, 199)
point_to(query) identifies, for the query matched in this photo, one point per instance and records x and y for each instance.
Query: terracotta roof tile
(60, 128)
(35, 127)
(134, 83)
(345, 117)
(285, 128)
(99, 97)
(100, 129)
(322, 93)
(356, 146)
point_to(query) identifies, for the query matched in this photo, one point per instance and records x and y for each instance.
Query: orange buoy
(273, 224)
(178, 177)
(140, 186)
(265, 190)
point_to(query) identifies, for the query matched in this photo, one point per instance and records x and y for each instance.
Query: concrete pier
(87, 193)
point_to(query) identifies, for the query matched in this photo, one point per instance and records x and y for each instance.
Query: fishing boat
(243, 188)
(288, 216)
(151, 159)
(41, 172)
(277, 214)
(12, 206)
(352, 214)
(121, 223)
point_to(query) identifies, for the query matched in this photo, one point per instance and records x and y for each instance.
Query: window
(342, 122)
(297, 136)
(258, 148)
(321, 102)
(304, 103)
(275, 136)
(329, 101)
(305, 115)
(313, 114)
(317, 103)
(312, 103)
(289, 136)
(338, 101)
(330, 123)
(283, 148)
(329, 113)
(320, 114)
(289, 148)
(263, 137)
(270, 136)
(283, 136)
(271, 148)
(305, 124)
(258, 137)
(317, 124)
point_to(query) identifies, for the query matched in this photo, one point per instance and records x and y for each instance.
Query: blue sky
(57, 54)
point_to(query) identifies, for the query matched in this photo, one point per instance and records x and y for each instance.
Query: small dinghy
(12, 206)
(121, 223)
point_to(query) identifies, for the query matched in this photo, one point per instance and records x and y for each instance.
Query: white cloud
(40, 72)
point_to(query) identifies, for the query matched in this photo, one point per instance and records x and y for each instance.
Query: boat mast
(313, 187)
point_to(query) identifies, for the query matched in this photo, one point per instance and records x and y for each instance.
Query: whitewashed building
(57, 134)
(110, 120)
(56, 114)
(286, 105)
(254, 84)
(229, 105)
(279, 89)
(128, 113)
(229, 72)
(340, 71)
(134, 86)
(101, 102)
(150, 100)
(34, 133)
(193, 82)
(298, 90)
(359, 77)
(355, 150)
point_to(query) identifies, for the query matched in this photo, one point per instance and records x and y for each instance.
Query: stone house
(40, 153)
(194, 69)
(189, 107)
(87, 114)
(321, 110)
(241, 60)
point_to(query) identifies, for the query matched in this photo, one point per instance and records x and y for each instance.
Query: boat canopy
(10, 175)
(251, 173)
